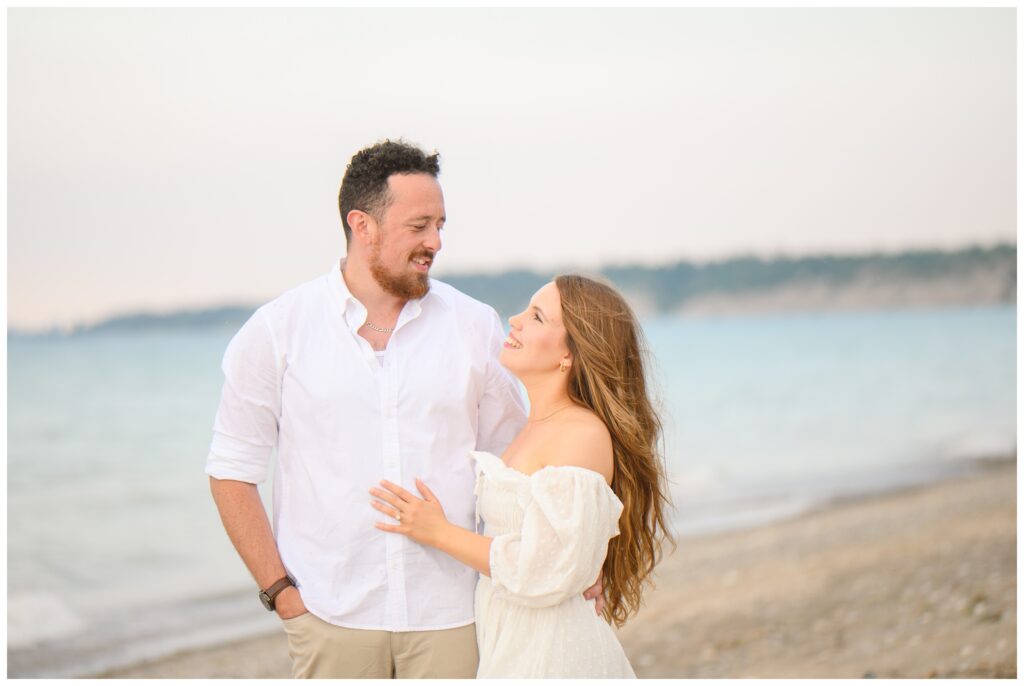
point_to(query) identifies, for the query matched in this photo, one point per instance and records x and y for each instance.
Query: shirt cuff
(231, 458)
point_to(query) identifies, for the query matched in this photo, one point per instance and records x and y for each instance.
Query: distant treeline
(670, 288)
(971, 275)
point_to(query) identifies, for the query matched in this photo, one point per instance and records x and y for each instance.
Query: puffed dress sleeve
(568, 519)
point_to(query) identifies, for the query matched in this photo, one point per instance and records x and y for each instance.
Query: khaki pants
(322, 650)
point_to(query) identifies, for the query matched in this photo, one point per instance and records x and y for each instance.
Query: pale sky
(167, 158)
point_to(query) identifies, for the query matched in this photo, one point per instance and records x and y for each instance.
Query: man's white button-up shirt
(300, 379)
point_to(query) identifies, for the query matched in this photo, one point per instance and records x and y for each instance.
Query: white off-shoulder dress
(551, 531)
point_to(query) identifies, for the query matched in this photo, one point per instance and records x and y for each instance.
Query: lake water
(116, 552)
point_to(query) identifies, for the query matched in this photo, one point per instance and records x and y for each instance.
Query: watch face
(267, 602)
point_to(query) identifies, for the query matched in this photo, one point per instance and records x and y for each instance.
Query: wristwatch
(268, 595)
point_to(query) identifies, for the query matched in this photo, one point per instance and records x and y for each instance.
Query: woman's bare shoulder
(584, 441)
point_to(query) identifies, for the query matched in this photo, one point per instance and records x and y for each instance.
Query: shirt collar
(354, 311)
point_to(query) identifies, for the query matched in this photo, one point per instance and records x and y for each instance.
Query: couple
(392, 404)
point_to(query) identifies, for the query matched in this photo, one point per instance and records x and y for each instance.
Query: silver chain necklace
(377, 328)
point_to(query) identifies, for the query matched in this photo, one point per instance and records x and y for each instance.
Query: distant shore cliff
(972, 276)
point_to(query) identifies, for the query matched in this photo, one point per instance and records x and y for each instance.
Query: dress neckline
(529, 476)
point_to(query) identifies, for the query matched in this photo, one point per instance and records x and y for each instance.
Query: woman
(578, 493)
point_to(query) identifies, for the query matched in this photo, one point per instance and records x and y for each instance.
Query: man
(370, 372)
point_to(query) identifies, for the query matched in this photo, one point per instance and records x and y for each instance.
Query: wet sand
(918, 583)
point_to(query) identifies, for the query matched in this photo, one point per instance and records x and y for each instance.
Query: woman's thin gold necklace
(544, 419)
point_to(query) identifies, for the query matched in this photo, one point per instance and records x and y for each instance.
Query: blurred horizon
(739, 284)
(161, 159)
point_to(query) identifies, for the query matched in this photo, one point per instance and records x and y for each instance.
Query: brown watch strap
(278, 586)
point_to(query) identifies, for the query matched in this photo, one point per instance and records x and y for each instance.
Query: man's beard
(408, 286)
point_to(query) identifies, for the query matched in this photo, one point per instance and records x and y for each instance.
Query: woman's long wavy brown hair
(608, 377)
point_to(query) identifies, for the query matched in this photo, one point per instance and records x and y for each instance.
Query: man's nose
(433, 240)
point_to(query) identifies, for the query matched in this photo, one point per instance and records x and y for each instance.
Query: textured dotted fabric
(551, 531)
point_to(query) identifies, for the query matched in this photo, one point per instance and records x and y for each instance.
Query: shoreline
(916, 581)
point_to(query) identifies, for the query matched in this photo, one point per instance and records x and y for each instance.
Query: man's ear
(360, 223)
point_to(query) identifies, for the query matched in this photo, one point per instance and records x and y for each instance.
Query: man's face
(408, 235)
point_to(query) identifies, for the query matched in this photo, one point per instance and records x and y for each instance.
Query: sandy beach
(917, 583)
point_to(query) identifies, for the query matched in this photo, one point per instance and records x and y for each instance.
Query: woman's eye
(536, 316)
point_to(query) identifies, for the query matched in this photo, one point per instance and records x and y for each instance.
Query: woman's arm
(424, 521)
(468, 547)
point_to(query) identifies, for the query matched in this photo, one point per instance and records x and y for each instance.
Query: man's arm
(245, 432)
(245, 520)
(502, 405)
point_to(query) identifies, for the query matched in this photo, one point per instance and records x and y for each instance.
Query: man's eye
(536, 316)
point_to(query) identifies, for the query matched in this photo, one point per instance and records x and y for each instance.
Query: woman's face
(537, 341)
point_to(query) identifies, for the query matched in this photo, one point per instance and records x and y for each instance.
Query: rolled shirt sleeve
(567, 523)
(245, 430)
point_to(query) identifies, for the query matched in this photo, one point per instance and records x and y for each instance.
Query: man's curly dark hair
(365, 185)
